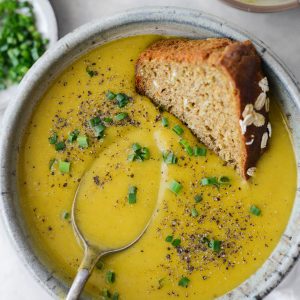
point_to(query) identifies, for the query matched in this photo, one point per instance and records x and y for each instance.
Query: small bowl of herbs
(27, 29)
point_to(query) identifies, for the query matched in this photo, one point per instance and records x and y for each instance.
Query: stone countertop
(280, 31)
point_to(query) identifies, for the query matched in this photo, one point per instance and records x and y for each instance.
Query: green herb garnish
(65, 215)
(110, 95)
(169, 158)
(94, 121)
(64, 166)
(169, 238)
(254, 210)
(122, 99)
(53, 138)
(139, 153)
(198, 198)
(194, 212)
(51, 163)
(215, 245)
(83, 141)
(60, 146)
(97, 126)
(214, 181)
(175, 187)
(164, 122)
(106, 294)
(73, 135)
(184, 282)
(224, 180)
(107, 120)
(115, 296)
(90, 72)
(176, 242)
(188, 149)
(121, 116)
(20, 42)
(132, 194)
(110, 277)
(177, 129)
(200, 151)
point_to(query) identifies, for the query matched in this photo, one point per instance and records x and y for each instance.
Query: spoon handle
(90, 258)
(78, 284)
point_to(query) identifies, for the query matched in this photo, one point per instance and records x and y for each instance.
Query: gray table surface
(281, 31)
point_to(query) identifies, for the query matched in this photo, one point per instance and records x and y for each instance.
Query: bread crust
(239, 60)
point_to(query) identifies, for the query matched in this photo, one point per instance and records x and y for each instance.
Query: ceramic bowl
(164, 21)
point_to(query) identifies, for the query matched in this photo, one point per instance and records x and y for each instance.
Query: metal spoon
(92, 253)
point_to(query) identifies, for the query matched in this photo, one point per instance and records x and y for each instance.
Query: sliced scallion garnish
(132, 191)
(178, 130)
(64, 166)
(175, 187)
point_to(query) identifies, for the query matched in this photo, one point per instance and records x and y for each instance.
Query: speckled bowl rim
(262, 8)
(161, 20)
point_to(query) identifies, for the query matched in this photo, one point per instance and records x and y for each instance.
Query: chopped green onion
(140, 153)
(83, 141)
(164, 122)
(175, 187)
(132, 194)
(184, 282)
(59, 146)
(66, 215)
(205, 240)
(107, 120)
(115, 296)
(110, 277)
(255, 210)
(110, 95)
(176, 242)
(200, 151)
(121, 116)
(169, 239)
(51, 163)
(97, 126)
(198, 198)
(94, 121)
(53, 138)
(131, 157)
(122, 99)
(194, 212)
(209, 181)
(90, 72)
(145, 153)
(188, 149)
(215, 245)
(106, 293)
(224, 180)
(99, 265)
(21, 44)
(99, 130)
(136, 147)
(169, 158)
(73, 135)
(177, 129)
(64, 166)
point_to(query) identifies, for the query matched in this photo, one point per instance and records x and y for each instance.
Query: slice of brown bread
(215, 86)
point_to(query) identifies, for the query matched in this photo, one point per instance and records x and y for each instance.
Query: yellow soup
(203, 240)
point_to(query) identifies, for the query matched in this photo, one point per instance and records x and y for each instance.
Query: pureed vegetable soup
(210, 229)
